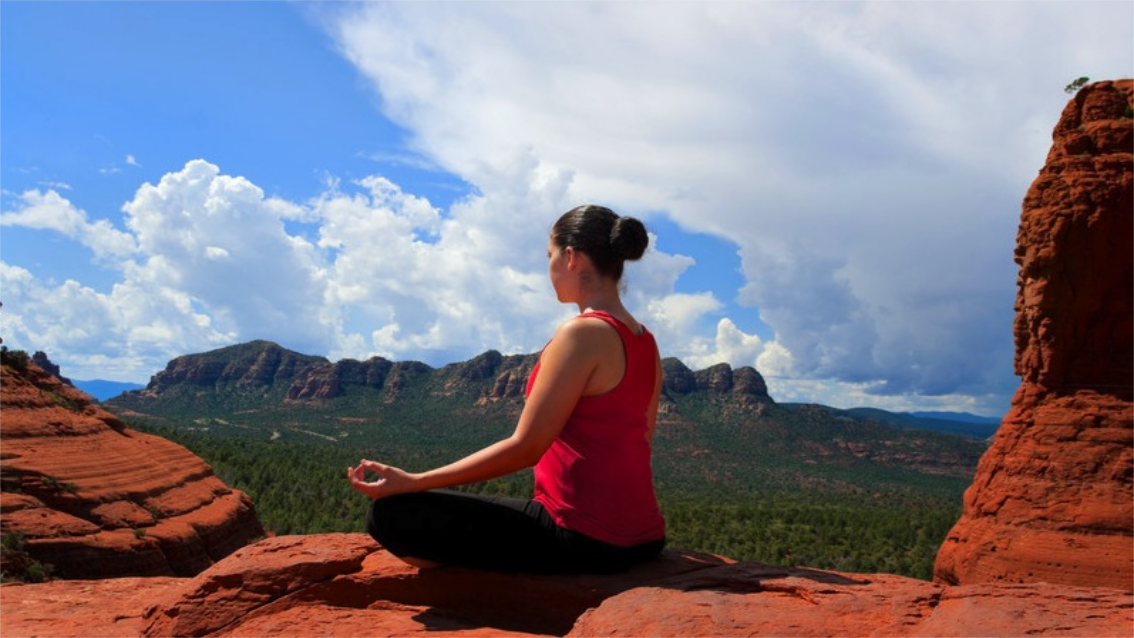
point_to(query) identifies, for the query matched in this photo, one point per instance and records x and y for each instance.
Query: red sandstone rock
(345, 585)
(109, 608)
(94, 499)
(1052, 499)
(754, 600)
(304, 583)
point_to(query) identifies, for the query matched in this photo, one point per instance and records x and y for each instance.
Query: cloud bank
(362, 269)
(867, 160)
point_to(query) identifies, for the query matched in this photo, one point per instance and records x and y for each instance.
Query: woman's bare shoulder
(585, 325)
(587, 331)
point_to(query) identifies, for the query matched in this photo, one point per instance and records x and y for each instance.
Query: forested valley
(857, 518)
(737, 474)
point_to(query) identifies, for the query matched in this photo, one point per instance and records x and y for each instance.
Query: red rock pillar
(1051, 500)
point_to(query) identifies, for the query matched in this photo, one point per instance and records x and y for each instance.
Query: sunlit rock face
(346, 585)
(1052, 499)
(94, 499)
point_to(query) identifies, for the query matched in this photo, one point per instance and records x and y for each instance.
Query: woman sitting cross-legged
(586, 426)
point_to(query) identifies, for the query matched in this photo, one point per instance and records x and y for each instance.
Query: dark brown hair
(607, 238)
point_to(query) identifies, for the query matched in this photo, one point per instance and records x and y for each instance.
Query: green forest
(736, 473)
(868, 521)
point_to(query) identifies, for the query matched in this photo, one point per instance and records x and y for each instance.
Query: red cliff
(94, 499)
(1051, 500)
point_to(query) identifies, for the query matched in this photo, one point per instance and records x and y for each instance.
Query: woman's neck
(604, 300)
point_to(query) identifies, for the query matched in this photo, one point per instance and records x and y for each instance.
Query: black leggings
(493, 533)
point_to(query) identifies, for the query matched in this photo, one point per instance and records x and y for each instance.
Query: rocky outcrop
(41, 360)
(511, 377)
(94, 499)
(480, 368)
(331, 381)
(720, 379)
(345, 585)
(402, 375)
(252, 365)
(1052, 500)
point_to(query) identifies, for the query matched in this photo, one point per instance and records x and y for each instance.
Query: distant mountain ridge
(948, 423)
(102, 389)
(266, 369)
(263, 370)
(259, 373)
(966, 417)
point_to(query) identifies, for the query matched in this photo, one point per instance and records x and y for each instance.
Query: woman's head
(600, 233)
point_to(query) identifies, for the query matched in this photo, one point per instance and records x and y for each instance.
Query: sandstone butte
(1051, 499)
(1043, 547)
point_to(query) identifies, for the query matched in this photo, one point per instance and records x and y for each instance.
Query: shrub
(1076, 85)
(15, 563)
(13, 541)
(37, 572)
(55, 485)
(16, 359)
(64, 402)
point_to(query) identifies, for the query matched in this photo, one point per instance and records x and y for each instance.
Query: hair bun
(628, 238)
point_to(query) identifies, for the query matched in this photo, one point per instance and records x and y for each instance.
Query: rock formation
(254, 365)
(1052, 499)
(264, 370)
(345, 585)
(330, 381)
(512, 377)
(720, 379)
(41, 360)
(94, 499)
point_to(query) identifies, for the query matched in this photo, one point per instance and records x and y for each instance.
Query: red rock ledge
(345, 585)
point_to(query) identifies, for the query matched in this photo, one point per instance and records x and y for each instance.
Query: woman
(587, 424)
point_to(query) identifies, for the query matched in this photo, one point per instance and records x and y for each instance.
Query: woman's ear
(573, 261)
(577, 260)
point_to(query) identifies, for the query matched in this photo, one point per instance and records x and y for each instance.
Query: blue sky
(834, 186)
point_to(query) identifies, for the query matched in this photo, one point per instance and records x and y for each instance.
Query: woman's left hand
(391, 480)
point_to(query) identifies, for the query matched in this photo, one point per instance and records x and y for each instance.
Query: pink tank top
(596, 477)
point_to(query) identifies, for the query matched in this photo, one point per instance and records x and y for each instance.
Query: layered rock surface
(345, 585)
(94, 499)
(1052, 500)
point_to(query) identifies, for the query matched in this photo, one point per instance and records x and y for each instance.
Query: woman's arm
(566, 365)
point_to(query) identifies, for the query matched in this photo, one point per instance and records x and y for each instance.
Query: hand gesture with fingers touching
(390, 481)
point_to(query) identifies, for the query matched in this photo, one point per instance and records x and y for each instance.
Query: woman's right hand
(391, 480)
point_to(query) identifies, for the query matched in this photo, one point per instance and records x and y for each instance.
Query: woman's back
(596, 478)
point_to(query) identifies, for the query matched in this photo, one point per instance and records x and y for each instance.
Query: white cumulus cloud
(48, 210)
(867, 158)
(213, 261)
